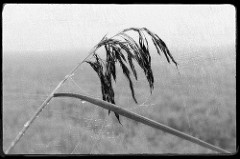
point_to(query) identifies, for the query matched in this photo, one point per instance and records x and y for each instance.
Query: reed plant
(122, 49)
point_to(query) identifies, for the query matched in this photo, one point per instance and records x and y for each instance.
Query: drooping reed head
(124, 52)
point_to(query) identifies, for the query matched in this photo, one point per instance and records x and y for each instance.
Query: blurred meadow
(43, 42)
(198, 98)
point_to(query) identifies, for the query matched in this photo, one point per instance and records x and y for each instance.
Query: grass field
(199, 98)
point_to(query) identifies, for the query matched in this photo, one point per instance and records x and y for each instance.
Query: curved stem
(141, 119)
(44, 104)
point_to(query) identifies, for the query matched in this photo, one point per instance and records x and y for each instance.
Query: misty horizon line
(85, 50)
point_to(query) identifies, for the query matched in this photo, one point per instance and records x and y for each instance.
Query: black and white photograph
(118, 79)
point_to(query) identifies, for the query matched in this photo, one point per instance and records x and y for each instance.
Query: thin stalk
(44, 104)
(142, 119)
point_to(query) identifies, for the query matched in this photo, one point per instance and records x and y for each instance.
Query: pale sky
(52, 27)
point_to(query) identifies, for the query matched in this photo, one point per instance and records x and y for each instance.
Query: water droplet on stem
(26, 124)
